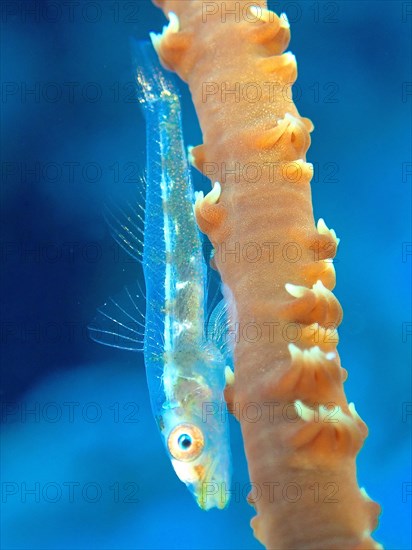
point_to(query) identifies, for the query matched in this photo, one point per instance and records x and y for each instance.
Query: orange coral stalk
(277, 269)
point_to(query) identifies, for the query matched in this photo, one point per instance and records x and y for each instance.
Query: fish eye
(185, 442)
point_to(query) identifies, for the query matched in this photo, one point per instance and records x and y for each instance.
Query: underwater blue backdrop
(82, 463)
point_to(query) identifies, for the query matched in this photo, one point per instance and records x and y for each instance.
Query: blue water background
(72, 136)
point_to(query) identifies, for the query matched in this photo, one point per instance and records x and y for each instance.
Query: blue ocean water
(82, 463)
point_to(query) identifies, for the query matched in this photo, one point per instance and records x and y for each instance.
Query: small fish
(184, 356)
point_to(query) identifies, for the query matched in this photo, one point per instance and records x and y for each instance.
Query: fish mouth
(208, 491)
(208, 486)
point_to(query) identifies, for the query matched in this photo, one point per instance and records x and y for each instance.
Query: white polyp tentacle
(171, 28)
(323, 229)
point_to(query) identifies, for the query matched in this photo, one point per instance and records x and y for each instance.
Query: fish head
(202, 462)
(196, 435)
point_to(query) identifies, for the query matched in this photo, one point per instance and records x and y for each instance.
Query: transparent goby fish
(186, 361)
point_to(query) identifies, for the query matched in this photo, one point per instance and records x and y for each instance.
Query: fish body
(185, 365)
(185, 371)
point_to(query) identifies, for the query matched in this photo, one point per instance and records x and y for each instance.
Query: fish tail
(153, 84)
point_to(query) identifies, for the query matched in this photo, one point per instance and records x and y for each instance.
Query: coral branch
(277, 270)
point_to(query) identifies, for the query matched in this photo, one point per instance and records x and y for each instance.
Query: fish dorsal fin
(217, 330)
(119, 322)
(126, 223)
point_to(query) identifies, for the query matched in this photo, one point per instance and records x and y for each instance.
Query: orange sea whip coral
(277, 270)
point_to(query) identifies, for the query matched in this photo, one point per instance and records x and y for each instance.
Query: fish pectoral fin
(119, 323)
(217, 330)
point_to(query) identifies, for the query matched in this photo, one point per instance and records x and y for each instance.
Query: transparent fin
(119, 323)
(217, 330)
(213, 284)
(126, 224)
